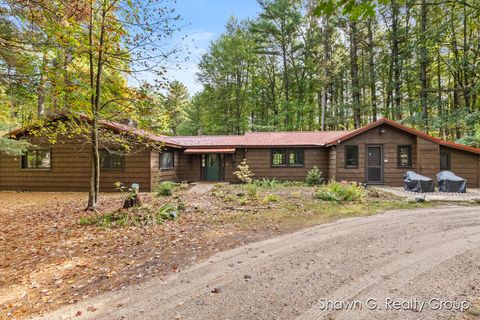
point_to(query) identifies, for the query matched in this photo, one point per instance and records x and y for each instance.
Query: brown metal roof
(209, 150)
(261, 139)
(115, 126)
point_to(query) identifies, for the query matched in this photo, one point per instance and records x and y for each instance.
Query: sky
(204, 21)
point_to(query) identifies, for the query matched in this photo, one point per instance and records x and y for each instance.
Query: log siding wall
(70, 170)
(259, 161)
(390, 139)
(332, 161)
(465, 165)
(158, 175)
(428, 158)
(70, 164)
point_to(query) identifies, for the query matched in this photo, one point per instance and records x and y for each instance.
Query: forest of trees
(319, 65)
(297, 65)
(77, 59)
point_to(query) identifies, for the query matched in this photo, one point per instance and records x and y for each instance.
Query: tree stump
(134, 201)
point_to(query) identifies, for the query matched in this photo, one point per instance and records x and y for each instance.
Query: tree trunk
(371, 63)
(423, 65)
(396, 60)
(354, 74)
(238, 103)
(67, 83)
(326, 68)
(95, 82)
(286, 86)
(92, 195)
(41, 88)
(324, 108)
(439, 95)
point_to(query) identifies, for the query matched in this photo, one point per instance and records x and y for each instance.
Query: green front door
(212, 167)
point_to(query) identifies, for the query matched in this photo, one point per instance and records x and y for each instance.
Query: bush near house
(244, 173)
(252, 191)
(314, 176)
(267, 183)
(271, 198)
(138, 216)
(340, 192)
(167, 212)
(165, 188)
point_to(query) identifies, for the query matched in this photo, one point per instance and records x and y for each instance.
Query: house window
(36, 159)
(351, 156)
(287, 157)
(279, 157)
(295, 157)
(444, 160)
(111, 159)
(166, 160)
(404, 153)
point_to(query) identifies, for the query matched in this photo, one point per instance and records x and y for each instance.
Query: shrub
(244, 173)
(252, 191)
(107, 220)
(166, 212)
(267, 183)
(132, 198)
(165, 188)
(314, 177)
(339, 192)
(138, 216)
(271, 198)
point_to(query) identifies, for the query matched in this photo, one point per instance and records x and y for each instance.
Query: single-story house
(378, 153)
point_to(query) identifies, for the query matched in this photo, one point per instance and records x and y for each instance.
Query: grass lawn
(54, 253)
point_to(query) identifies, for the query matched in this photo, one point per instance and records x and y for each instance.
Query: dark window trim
(449, 160)
(36, 169)
(272, 151)
(287, 152)
(410, 155)
(296, 165)
(112, 151)
(356, 154)
(160, 160)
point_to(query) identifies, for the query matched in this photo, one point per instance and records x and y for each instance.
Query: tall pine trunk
(423, 64)
(371, 64)
(354, 74)
(396, 61)
(439, 95)
(41, 88)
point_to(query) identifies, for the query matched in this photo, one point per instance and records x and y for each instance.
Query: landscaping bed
(55, 253)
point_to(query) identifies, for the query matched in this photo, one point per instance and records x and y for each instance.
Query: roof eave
(238, 146)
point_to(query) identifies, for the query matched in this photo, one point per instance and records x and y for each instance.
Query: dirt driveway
(405, 256)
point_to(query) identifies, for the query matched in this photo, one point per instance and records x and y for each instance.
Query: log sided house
(379, 153)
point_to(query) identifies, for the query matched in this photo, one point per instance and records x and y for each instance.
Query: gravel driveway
(406, 257)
